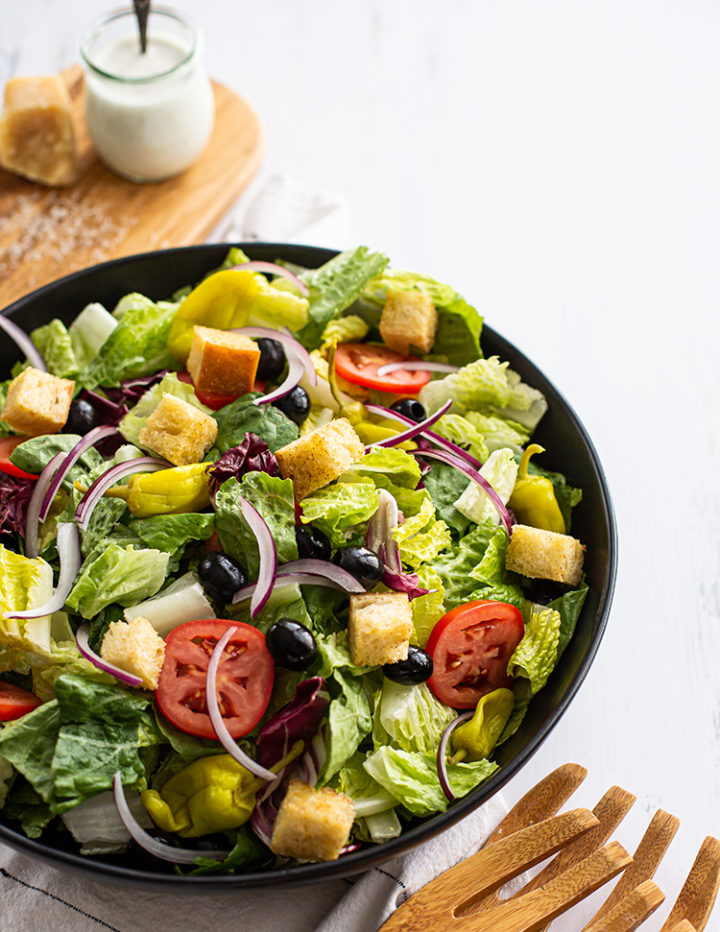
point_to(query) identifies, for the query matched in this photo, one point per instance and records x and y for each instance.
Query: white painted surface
(557, 161)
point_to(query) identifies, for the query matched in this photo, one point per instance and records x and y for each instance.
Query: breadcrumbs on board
(58, 228)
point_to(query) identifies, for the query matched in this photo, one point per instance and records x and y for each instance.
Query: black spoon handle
(142, 8)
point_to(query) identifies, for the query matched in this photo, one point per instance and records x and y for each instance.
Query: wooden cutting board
(46, 233)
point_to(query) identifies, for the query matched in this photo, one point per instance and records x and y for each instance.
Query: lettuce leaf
(498, 432)
(457, 428)
(134, 421)
(34, 454)
(243, 417)
(387, 468)
(445, 485)
(24, 583)
(55, 346)
(428, 609)
(500, 469)
(536, 655)
(349, 721)
(172, 533)
(89, 330)
(455, 568)
(117, 575)
(569, 606)
(336, 509)
(410, 717)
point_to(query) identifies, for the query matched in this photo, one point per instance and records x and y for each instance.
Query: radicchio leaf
(131, 391)
(299, 720)
(252, 455)
(14, 498)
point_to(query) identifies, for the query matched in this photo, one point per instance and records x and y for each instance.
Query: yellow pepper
(475, 739)
(166, 492)
(228, 299)
(372, 433)
(533, 498)
(212, 794)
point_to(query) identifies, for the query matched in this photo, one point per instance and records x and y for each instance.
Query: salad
(280, 567)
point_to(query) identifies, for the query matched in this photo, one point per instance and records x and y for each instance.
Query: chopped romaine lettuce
(89, 331)
(117, 574)
(56, 348)
(243, 416)
(341, 509)
(500, 470)
(536, 655)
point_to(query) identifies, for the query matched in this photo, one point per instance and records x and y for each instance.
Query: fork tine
(648, 855)
(631, 911)
(435, 904)
(542, 801)
(697, 897)
(531, 912)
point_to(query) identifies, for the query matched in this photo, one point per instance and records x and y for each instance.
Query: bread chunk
(178, 431)
(409, 319)
(37, 137)
(319, 457)
(312, 824)
(37, 403)
(545, 555)
(379, 628)
(222, 361)
(135, 647)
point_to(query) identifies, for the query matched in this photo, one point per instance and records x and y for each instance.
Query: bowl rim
(365, 858)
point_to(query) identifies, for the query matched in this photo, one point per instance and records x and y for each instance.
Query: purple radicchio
(252, 455)
(379, 539)
(14, 498)
(130, 391)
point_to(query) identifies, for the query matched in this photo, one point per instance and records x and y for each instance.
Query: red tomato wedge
(7, 445)
(470, 648)
(215, 400)
(244, 677)
(15, 701)
(359, 363)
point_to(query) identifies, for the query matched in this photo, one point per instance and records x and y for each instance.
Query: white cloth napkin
(35, 897)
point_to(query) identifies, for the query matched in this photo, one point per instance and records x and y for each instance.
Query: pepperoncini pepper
(166, 492)
(212, 794)
(533, 497)
(475, 739)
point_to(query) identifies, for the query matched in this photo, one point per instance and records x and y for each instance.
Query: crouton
(178, 431)
(319, 457)
(379, 628)
(135, 647)
(37, 403)
(545, 555)
(312, 824)
(222, 361)
(409, 319)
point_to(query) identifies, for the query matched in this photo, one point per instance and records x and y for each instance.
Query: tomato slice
(359, 363)
(216, 400)
(15, 701)
(244, 678)
(470, 647)
(7, 445)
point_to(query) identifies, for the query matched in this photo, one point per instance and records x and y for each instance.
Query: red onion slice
(429, 434)
(413, 431)
(289, 343)
(218, 723)
(68, 548)
(109, 478)
(442, 748)
(32, 518)
(294, 374)
(81, 639)
(330, 571)
(157, 848)
(420, 366)
(271, 268)
(268, 556)
(302, 579)
(476, 477)
(24, 343)
(89, 440)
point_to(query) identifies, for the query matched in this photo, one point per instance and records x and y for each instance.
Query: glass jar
(149, 114)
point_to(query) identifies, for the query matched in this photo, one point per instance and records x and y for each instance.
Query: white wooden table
(557, 161)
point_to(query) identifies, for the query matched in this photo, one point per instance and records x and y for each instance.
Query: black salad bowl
(158, 275)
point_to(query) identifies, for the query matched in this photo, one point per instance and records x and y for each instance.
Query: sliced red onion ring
(429, 434)
(81, 639)
(218, 723)
(420, 366)
(109, 478)
(331, 571)
(158, 848)
(288, 341)
(89, 440)
(413, 431)
(294, 374)
(68, 548)
(268, 556)
(476, 477)
(24, 343)
(303, 579)
(442, 748)
(32, 518)
(271, 268)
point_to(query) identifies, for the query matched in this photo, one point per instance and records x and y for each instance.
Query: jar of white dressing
(149, 114)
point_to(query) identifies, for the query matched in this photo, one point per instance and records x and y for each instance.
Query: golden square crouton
(320, 456)
(409, 319)
(37, 136)
(178, 431)
(222, 361)
(545, 555)
(312, 824)
(135, 647)
(37, 403)
(379, 628)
